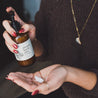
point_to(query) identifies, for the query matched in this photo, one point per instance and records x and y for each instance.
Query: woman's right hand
(12, 46)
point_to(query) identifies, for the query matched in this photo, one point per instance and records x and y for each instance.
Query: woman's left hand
(54, 76)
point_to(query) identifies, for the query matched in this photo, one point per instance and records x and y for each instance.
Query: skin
(54, 76)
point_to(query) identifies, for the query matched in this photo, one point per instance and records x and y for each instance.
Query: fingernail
(7, 78)
(15, 46)
(21, 30)
(15, 51)
(14, 34)
(35, 92)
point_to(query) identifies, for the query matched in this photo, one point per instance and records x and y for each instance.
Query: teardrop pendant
(78, 40)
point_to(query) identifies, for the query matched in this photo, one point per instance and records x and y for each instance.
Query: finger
(17, 74)
(11, 48)
(25, 28)
(8, 28)
(9, 41)
(26, 75)
(16, 15)
(29, 28)
(22, 82)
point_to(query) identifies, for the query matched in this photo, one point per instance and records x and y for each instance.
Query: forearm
(82, 78)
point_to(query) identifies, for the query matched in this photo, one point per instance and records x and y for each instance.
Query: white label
(25, 51)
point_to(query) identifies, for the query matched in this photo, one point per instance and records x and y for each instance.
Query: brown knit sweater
(56, 30)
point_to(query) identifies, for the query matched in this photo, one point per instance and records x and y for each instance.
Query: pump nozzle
(11, 13)
(16, 25)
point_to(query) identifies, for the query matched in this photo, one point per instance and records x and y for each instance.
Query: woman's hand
(54, 76)
(12, 46)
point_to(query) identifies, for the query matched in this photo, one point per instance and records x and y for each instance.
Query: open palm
(53, 75)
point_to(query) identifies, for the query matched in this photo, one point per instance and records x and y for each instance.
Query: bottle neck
(15, 24)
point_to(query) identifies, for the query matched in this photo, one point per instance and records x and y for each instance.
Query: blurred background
(27, 8)
(30, 8)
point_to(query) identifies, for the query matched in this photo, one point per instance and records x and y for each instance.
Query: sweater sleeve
(94, 91)
(41, 26)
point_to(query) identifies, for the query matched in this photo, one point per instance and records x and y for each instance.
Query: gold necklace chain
(74, 18)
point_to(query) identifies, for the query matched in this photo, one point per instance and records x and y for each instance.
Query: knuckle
(9, 47)
(26, 25)
(34, 29)
(4, 22)
(4, 34)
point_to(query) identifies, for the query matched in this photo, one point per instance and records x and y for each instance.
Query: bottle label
(25, 51)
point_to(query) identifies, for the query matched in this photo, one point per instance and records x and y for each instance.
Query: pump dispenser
(25, 55)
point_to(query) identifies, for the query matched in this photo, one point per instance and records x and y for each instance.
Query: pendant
(78, 40)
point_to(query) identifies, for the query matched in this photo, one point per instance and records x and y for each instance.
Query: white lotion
(38, 79)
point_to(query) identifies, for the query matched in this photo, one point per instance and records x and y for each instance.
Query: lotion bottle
(25, 55)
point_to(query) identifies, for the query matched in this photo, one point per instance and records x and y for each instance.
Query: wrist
(71, 74)
(82, 78)
(32, 31)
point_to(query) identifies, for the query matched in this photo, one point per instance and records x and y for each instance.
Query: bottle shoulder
(21, 37)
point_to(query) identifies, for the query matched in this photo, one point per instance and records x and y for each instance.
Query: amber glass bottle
(25, 55)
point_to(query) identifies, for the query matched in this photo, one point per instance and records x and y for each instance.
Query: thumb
(29, 28)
